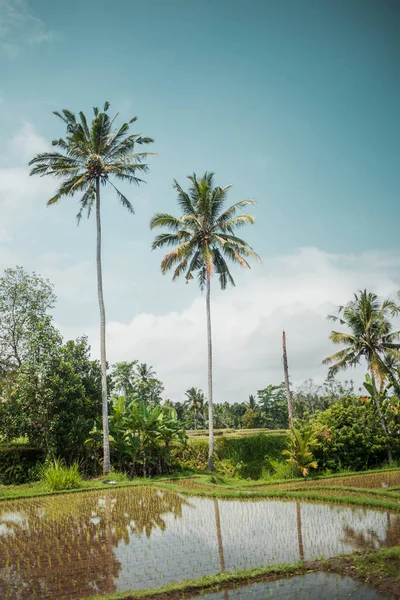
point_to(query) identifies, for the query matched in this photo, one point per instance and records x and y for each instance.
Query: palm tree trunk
(210, 396)
(381, 417)
(104, 395)
(287, 384)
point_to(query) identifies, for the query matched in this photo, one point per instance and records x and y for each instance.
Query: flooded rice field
(76, 545)
(313, 586)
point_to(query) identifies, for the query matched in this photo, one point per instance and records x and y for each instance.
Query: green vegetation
(58, 476)
(300, 451)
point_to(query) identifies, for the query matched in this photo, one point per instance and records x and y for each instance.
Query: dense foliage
(141, 437)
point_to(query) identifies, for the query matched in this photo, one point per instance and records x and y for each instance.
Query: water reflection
(313, 586)
(81, 544)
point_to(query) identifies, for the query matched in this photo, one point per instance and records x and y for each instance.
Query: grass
(58, 476)
(215, 486)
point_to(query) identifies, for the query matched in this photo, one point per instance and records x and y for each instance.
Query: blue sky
(295, 103)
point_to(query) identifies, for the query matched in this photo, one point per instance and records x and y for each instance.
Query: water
(313, 586)
(76, 545)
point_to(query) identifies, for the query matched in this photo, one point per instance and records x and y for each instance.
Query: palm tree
(90, 156)
(195, 402)
(123, 374)
(371, 337)
(252, 403)
(203, 238)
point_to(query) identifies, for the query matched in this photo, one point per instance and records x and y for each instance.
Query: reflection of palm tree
(369, 539)
(299, 531)
(219, 536)
(49, 536)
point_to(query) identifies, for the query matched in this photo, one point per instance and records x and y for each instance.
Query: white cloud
(293, 292)
(19, 193)
(19, 27)
(27, 143)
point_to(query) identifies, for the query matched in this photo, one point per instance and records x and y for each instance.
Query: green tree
(25, 300)
(89, 156)
(204, 239)
(252, 403)
(195, 403)
(273, 406)
(251, 419)
(123, 374)
(146, 385)
(56, 397)
(371, 337)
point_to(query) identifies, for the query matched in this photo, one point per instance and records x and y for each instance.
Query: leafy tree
(25, 300)
(204, 239)
(251, 419)
(89, 156)
(349, 436)
(123, 374)
(195, 403)
(223, 417)
(273, 406)
(146, 385)
(370, 338)
(56, 397)
(310, 397)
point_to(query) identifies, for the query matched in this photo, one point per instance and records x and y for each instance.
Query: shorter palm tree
(370, 336)
(204, 239)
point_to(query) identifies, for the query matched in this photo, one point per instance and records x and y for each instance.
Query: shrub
(60, 477)
(300, 451)
(349, 436)
(18, 463)
(245, 457)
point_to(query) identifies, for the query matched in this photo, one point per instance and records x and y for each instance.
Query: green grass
(58, 476)
(206, 583)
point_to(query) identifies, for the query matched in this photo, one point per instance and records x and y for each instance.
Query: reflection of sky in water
(313, 586)
(108, 532)
(253, 534)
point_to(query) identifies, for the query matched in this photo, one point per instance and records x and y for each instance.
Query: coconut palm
(371, 337)
(90, 156)
(195, 402)
(204, 239)
(123, 377)
(252, 403)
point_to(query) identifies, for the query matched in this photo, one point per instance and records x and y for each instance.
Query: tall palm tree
(195, 401)
(370, 337)
(204, 238)
(89, 156)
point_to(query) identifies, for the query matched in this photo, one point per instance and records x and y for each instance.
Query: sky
(296, 103)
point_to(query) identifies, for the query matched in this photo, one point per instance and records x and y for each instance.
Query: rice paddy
(79, 545)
